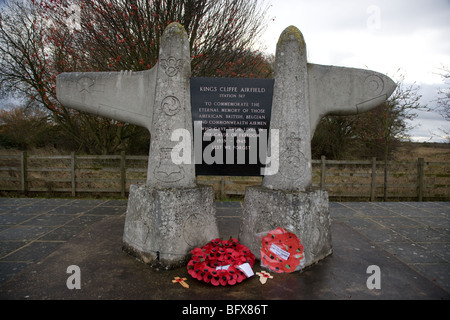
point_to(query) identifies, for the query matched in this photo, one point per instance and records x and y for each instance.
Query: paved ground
(40, 238)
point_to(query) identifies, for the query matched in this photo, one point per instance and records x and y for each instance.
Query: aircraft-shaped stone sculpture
(159, 99)
(142, 98)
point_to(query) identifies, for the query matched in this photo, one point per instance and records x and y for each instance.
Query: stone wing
(345, 91)
(126, 96)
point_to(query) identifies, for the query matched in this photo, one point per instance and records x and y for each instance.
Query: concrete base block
(304, 213)
(162, 226)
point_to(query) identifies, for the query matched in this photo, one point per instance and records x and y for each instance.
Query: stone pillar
(286, 198)
(290, 114)
(170, 214)
(163, 225)
(172, 110)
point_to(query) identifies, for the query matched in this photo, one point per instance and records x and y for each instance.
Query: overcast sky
(382, 35)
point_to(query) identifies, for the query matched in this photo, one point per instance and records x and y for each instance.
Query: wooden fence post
(222, 188)
(72, 171)
(322, 173)
(123, 174)
(24, 173)
(420, 176)
(373, 185)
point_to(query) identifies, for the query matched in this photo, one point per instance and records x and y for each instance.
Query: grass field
(436, 152)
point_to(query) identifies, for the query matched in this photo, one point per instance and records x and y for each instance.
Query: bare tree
(26, 65)
(125, 34)
(41, 38)
(372, 134)
(384, 126)
(443, 101)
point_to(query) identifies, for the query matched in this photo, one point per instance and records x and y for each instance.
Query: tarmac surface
(41, 238)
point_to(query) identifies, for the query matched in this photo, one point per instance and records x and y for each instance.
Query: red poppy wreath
(281, 251)
(218, 262)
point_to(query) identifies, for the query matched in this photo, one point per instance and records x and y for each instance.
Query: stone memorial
(170, 214)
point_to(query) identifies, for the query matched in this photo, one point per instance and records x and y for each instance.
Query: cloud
(429, 128)
(382, 35)
(410, 34)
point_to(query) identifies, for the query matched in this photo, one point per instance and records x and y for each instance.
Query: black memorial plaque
(233, 106)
